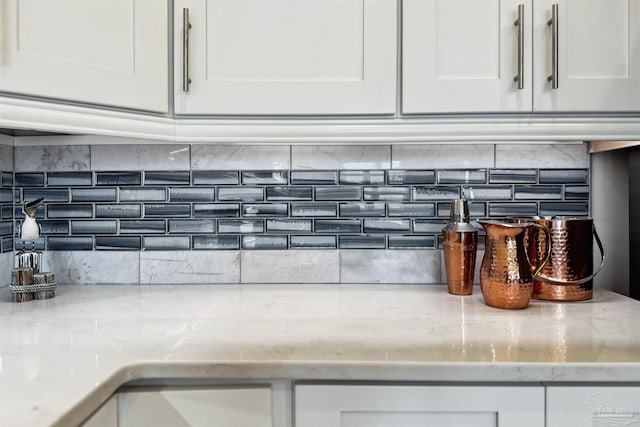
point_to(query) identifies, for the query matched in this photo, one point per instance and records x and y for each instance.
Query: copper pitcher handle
(584, 279)
(547, 253)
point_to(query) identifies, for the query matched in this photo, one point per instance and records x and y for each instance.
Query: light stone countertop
(61, 358)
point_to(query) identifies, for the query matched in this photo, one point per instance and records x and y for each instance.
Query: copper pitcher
(506, 274)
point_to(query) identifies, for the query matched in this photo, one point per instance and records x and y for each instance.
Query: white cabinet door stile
(299, 57)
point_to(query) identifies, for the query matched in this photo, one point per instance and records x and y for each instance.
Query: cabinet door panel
(461, 56)
(413, 406)
(288, 57)
(102, 52)
(598, 56)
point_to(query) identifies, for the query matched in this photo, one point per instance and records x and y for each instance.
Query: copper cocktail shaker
(460, 244)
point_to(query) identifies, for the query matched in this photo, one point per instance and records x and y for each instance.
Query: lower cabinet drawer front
(593, 406)
(174, 407)
(413, 406)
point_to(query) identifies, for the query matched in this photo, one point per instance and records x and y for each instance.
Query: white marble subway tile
(189, 267)
(88, 268)
(57, 158)
(442, 156)
(135, 157)
(381, 266)
(6, 155)
(240, 157)
(340, 157)
(542, 156)
(292, 266)
(6, 265)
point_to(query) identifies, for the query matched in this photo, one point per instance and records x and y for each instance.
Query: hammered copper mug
(506, 275)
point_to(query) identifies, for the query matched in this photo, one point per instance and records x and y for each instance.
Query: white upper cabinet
(462, 56)
(598, 55)
(113, 52)
(300, 57)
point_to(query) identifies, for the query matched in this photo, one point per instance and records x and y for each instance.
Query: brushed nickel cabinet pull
(186, 26)
(553, 78)
(519, 22)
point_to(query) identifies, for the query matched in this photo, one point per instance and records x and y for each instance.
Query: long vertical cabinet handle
(553, 78)
(519, 22)
(186, 26)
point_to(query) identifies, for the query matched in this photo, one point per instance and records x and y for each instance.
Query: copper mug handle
(547, 247)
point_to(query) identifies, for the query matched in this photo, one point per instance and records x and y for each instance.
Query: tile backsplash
(246, 214)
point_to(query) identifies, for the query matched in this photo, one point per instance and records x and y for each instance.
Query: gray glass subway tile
(17, 195)
(314, 209)
(142, 226)
(436, 193)
(215, 178)
(166, 243)
(94, 227)
(216, 242)
(50, 195)
(564, 208)
(289, 193)
(359, 209)
(338, 193)
(192, 226)
(216, 210)
(538, 192)
(241, 194)
(20, 245)
(400, 242)
(513, 209)
(167, 178)
(54, 226)
(242, 226)
(6, 179)
(265, 209)
(312, 242)
(6, 195)
(70, 243)
(288, 226)
(424, 226)
(389, 226)
(6, 244)
(167, 210)
(94, 195)
(143, 194)
(118, 243)
(29, 179)
(387, 193)
(200, 194)
(118, 211)
(264, 242)
(350, 177)
(478, 176)
(562, 176)
(411, 209)
(69, 211)
(362, 242)
(7, 211)
(314, 177)
(402, 177)
(6, 228)
(576, 192)
(17, 212)
(337, 226)
(476, 209)
(69, 179)
(515, 176)
(118, 178)
(487, 192)
(265, 177)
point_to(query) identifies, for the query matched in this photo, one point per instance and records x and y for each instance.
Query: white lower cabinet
(413, 406)
(593, 406)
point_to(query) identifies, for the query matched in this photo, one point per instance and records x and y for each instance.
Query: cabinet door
(462, 56)
(593, 406)
(101, 52)
(286, 57)
(179, 407)
(413, 406)
(598, 56)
